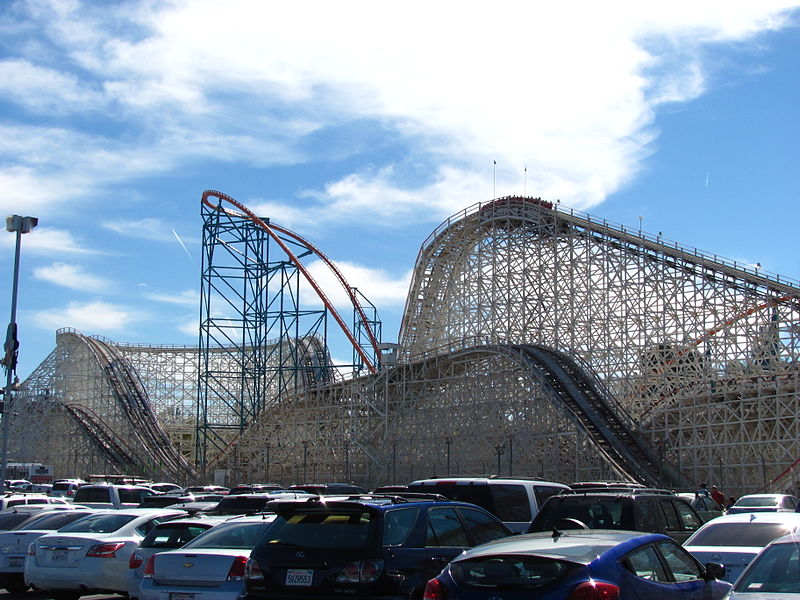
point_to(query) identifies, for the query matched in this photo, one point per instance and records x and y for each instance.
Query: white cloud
(570, 91)
(46, 240)
(89, 317)
(185, 298)
(148, 228)
(71, 276)
(375, 284)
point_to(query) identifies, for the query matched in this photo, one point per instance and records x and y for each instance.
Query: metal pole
(10, 368)
(447, 441)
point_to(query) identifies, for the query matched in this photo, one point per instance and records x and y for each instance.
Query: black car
(383, 547)
(329, 489)
(646, 510)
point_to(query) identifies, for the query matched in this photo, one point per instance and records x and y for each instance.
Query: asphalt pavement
(44, 596)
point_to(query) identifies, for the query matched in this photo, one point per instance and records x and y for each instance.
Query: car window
(232, 535)
(333, 529)
(790, 502)
(511, 502)
(98, 524)
(12, 520)
(776, 570)
(58, 519)
(680, 562)
(543, 492)
(670, 516)
(16, 502)
(129, 496)
(144, 528)
(738, 534)
(398, 525)
(507, 572)
(445, 529)
(648, 519)
(690, 520)
(92, 495)
(482, 526)
(172, 536)
(645, 563)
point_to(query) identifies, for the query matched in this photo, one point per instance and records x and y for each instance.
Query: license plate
(59, 556)
(180, 596)
(303, 577)
(16, 563)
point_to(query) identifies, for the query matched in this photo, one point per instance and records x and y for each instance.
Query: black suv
(385, 547)
(655, 511)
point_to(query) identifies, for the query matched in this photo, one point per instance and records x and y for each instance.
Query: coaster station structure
(536, 341)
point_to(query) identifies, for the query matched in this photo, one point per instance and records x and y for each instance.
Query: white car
(14, 543)
(168, 535)
(11, 500)
(91, 555)
(210, 567)
(764, 503)
(772, 574)
(734, 540)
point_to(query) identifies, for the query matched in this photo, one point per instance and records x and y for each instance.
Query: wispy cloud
(89, 317)
(184, 298)
(48, 240)
(71, 276)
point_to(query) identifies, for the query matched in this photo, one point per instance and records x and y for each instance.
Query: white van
(513, 501)
(108, 495)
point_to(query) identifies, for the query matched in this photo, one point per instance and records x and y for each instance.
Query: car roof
(482, 480)
(376, 503)
(572, 545)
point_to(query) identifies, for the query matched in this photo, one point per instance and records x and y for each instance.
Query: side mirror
(714, 571)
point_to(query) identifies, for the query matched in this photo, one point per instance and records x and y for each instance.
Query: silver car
(734, 540)
(210, 567)
(166, 536)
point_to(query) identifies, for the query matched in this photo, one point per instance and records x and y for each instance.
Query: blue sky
(363, 125)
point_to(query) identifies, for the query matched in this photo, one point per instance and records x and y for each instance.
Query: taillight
(148, 568)
(136, 561)
(361, 571)
(236, 572)
(105, 550)
(595, 590)
(434, 590)
(252, 571)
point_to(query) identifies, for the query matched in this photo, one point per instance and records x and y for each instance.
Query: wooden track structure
(535, 342)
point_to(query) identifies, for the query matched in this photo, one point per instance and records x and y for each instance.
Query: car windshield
(739, 534)
(231, 535)
(602, 512)
(173, 535)
(98, 524)
(508, 572)
(11, 520)
(336, 529)
(776, 570)
(756, 502)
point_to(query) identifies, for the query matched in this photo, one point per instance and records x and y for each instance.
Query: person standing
(717, 495)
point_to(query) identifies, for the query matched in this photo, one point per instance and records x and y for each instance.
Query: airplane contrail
(180, 241)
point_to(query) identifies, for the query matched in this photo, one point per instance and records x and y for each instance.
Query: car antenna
(557, 533)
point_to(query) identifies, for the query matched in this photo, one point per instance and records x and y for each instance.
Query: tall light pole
(18, 225)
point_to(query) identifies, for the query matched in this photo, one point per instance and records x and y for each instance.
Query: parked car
(109, 495)
(734, 540)
(210, 567)
(643, 510)
(773, 573)
(14, 543)
(764, 503)
(255, 488)
(18, 500)
(165, 536)
(248, 504)
(578, 565)
(16, 517)
(164, 500)
(66, 487)
(329, 489)
(381, 547)
(705, 506)
(165, 488)
(514, 501)
(91, 555)
(206, 489)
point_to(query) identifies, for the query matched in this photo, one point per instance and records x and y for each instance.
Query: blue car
(579, 565)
